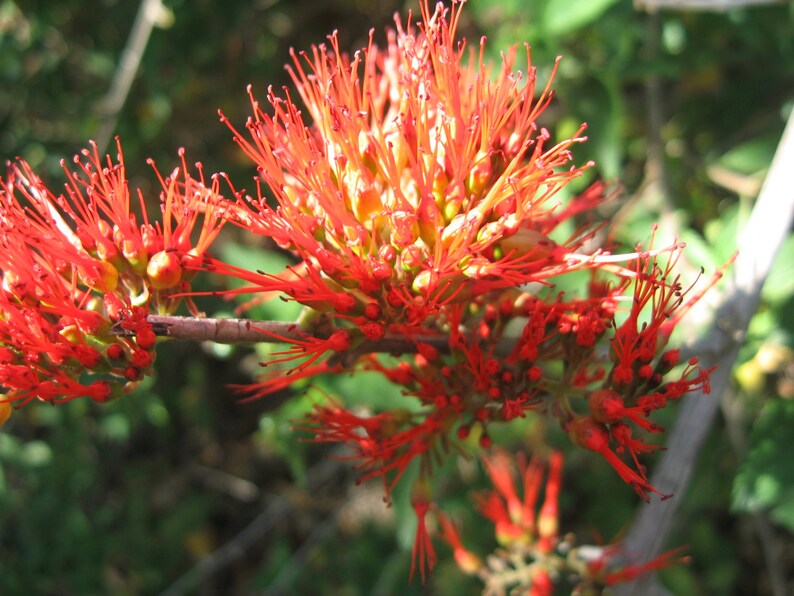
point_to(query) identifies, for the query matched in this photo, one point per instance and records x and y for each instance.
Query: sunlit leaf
(779, 284)
(752, 156)
(564, 16)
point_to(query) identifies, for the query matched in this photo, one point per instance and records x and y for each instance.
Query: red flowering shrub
(420, 197)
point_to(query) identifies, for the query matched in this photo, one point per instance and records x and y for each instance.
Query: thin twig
(766, 229)
(226, 483)
(149, 14)
(772, 549)
(282, 585)
(656, 165)
(701, 5)
(318, 476)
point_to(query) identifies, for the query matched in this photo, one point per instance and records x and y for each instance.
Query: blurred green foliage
(766, 480)
(684, 107)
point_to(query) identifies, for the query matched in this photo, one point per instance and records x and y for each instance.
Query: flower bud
(405, 229)
(191, 262)
(588, 433)
(115, 352)
(373, 311)
(412, 257)
(164, 270)
(425, 283)
(110, 277)
(107, 251)
(479, 174)
(606, 405)
(367, 204)
(152, 240)
(5, 411)
(145, 338)
(135, 254)
(373, 331)
(528, 241)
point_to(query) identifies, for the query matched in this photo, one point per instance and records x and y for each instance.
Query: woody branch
(240, 331)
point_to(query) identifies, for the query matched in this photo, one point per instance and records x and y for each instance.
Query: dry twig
(150, 13)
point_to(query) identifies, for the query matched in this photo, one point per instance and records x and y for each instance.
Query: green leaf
(564, 16)
(370, 388)
(779, 284)
(718, 242)
(698, 250)
(752, 156)
(783, 514)
(254, 258)
(765, 481)
(599, 104)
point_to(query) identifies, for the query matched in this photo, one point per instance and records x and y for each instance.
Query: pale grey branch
(759, 243)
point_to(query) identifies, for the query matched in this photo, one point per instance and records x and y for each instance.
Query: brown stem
(234, 331)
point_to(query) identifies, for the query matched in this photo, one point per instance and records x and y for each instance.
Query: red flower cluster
(422, 202)
(77, 263)
(532, 556)
(422, 206)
